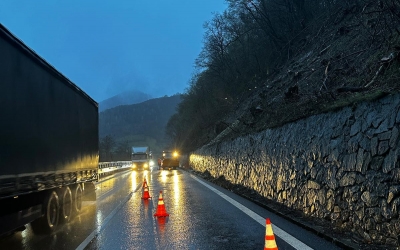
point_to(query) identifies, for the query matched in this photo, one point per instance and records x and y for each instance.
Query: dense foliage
(250, 42)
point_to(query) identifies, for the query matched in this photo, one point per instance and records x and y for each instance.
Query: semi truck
(49, 148)
(141, 158)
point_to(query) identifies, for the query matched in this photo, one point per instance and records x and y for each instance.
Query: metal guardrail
(114, 164)
(107, 168)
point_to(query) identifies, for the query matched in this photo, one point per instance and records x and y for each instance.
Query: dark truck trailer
(48, 141)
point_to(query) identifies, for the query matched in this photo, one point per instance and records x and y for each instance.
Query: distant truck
(141, 158)
(48, 141)
(170, 160)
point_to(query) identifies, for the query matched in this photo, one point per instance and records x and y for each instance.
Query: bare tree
(122, 152)
(107, 145)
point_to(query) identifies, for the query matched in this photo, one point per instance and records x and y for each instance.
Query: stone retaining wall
(341, 166)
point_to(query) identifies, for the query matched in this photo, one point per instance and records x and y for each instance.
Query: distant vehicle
(170, 160)
(49, 148)
(141, 158)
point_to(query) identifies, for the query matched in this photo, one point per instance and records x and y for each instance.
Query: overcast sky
(110, 46)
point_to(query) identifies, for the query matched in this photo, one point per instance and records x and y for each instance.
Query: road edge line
(294, 242)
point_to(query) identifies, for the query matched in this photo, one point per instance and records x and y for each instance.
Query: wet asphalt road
(201, 216)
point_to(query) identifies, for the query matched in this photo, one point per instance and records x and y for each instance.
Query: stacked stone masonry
(341, 166)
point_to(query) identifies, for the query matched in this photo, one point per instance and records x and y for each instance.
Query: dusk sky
(107, 47)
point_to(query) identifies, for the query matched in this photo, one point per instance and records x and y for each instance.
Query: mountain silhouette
(125, 98)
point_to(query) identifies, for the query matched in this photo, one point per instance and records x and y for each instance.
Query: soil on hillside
(347, 57)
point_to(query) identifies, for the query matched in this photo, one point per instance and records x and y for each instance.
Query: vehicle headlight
(145, 165)
(133, 165)
(151, 163)
(176, 154)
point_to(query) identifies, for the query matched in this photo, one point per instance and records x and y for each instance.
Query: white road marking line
(105, 222)
(277, 231)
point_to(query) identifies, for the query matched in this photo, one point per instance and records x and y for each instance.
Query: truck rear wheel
(51, 208)
(66, 204)
(77, 199)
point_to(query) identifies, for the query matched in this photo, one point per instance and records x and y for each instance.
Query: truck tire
(77, 199)
(51, 209)
(66, 203)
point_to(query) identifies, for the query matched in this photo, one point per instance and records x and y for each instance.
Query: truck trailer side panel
(48, 125)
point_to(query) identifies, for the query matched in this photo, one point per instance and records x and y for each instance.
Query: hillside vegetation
(268, 62)
(141, 124)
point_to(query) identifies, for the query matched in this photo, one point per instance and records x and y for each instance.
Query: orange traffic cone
(146, 194)
(270, 243)
(144, 182)
(161, 212)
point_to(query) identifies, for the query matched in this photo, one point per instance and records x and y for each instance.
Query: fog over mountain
(141, 124)
(125, 98)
